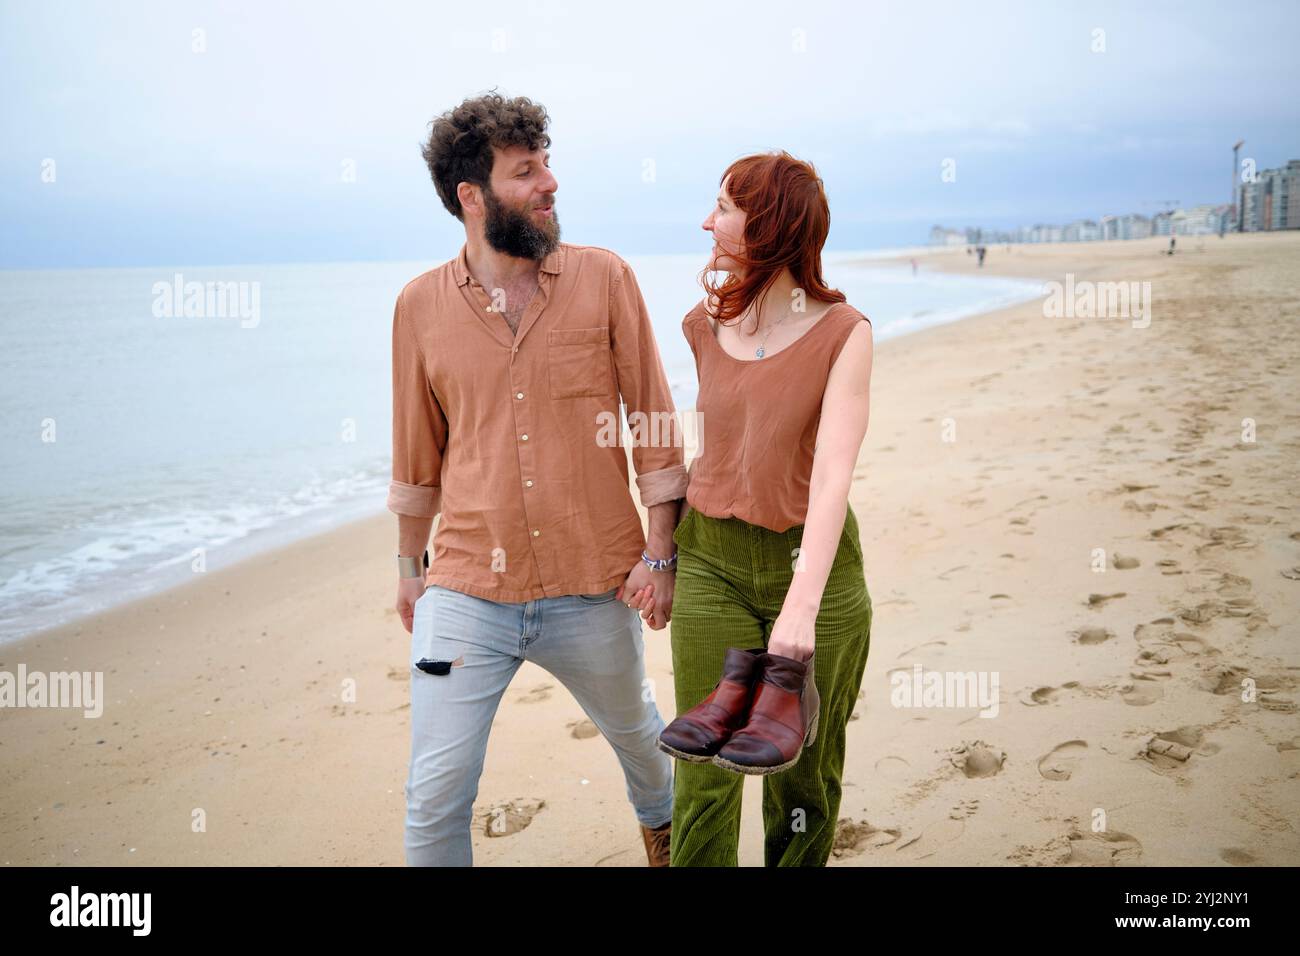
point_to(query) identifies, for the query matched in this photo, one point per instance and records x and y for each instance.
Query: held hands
(651, 593)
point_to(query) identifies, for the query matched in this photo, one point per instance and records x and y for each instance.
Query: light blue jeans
(470, 649)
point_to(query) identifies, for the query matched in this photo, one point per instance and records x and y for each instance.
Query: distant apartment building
(1272, 201)
(1221, 219)
(1275, 197)
(939, 236)
(1082, 230)
(1201, 220)
(1134, 226)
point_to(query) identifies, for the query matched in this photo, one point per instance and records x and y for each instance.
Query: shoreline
(300, 529)
(226, 694)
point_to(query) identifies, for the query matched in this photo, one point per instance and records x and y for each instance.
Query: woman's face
(727, 223)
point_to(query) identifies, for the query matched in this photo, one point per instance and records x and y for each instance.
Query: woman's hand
(794, 634)
(655, 601)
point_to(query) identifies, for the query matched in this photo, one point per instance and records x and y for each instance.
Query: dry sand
(1146, 715)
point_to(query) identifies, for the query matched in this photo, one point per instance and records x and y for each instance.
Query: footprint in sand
(399, 673)
(1166, 533)
(862, 695)
(1227, 537)
(1168, 566)
(1203, 613)
(1157, 649)
(1123, 562)
(1226, 679)
(1235, 856)
(1046, 695)
(1161, 644)
(1171, 750)
(933, 838)
(1062, 761)
(1140, 694)
(1098, 600)
(1132, 489)
(538, 694)
(897, 768)
(1216, 481)
(853, 837)
(1093, 635)
(503, 819)
(977, 759)
(1108, 848)
(1041, 696)
(583, 729)
(928, 645)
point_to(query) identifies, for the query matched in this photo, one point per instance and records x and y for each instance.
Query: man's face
(519, 208)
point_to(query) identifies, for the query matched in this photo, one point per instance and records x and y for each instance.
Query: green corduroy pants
(732, 578)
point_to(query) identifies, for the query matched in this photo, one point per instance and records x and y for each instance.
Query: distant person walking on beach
(1172, 240)
(770, 574)
(504, 361)
(979, 254)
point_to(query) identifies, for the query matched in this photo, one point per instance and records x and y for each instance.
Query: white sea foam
(177, 439)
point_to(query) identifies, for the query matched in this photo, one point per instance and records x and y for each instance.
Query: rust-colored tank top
(759, 420)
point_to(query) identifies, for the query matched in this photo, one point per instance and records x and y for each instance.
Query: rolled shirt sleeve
(657, 452)
(419, 429)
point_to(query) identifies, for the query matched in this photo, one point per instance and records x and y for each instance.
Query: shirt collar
(553, 263)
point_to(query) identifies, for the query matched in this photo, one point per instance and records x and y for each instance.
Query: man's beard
(515, 234)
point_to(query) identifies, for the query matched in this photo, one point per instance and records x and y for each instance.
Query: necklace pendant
(759, 353)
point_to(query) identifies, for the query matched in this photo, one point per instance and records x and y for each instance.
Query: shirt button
(536, 532)
(524, 437)
(529, 482)
(519, 394)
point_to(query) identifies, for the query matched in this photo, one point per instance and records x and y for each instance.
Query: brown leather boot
(657, 843)
(697, 734)
(783, 718)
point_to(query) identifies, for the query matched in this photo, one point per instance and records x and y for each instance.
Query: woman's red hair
(787, 220)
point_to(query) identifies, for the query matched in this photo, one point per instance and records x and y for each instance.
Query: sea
(162, 421)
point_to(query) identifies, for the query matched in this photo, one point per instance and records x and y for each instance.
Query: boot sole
(809, 739)
(683, 755)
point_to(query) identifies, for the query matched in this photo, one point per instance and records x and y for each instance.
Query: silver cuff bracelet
(408, 567)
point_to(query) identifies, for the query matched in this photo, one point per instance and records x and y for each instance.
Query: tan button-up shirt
(516, 439)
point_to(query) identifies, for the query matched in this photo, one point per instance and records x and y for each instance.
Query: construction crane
(1236, 148)
(1171, 204)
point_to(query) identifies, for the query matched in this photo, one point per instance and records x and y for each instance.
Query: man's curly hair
(459, 149)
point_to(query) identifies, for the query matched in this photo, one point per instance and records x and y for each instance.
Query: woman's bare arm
(846, 409)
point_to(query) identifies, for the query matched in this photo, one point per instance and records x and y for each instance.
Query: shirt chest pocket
(579, 363)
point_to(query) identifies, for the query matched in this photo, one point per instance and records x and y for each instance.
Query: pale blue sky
(168, 156)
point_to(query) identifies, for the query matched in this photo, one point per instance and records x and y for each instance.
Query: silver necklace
(761, 348)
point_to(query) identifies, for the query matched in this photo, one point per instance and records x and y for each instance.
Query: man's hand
(651, 594)
(638, 580)
(409, 590)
